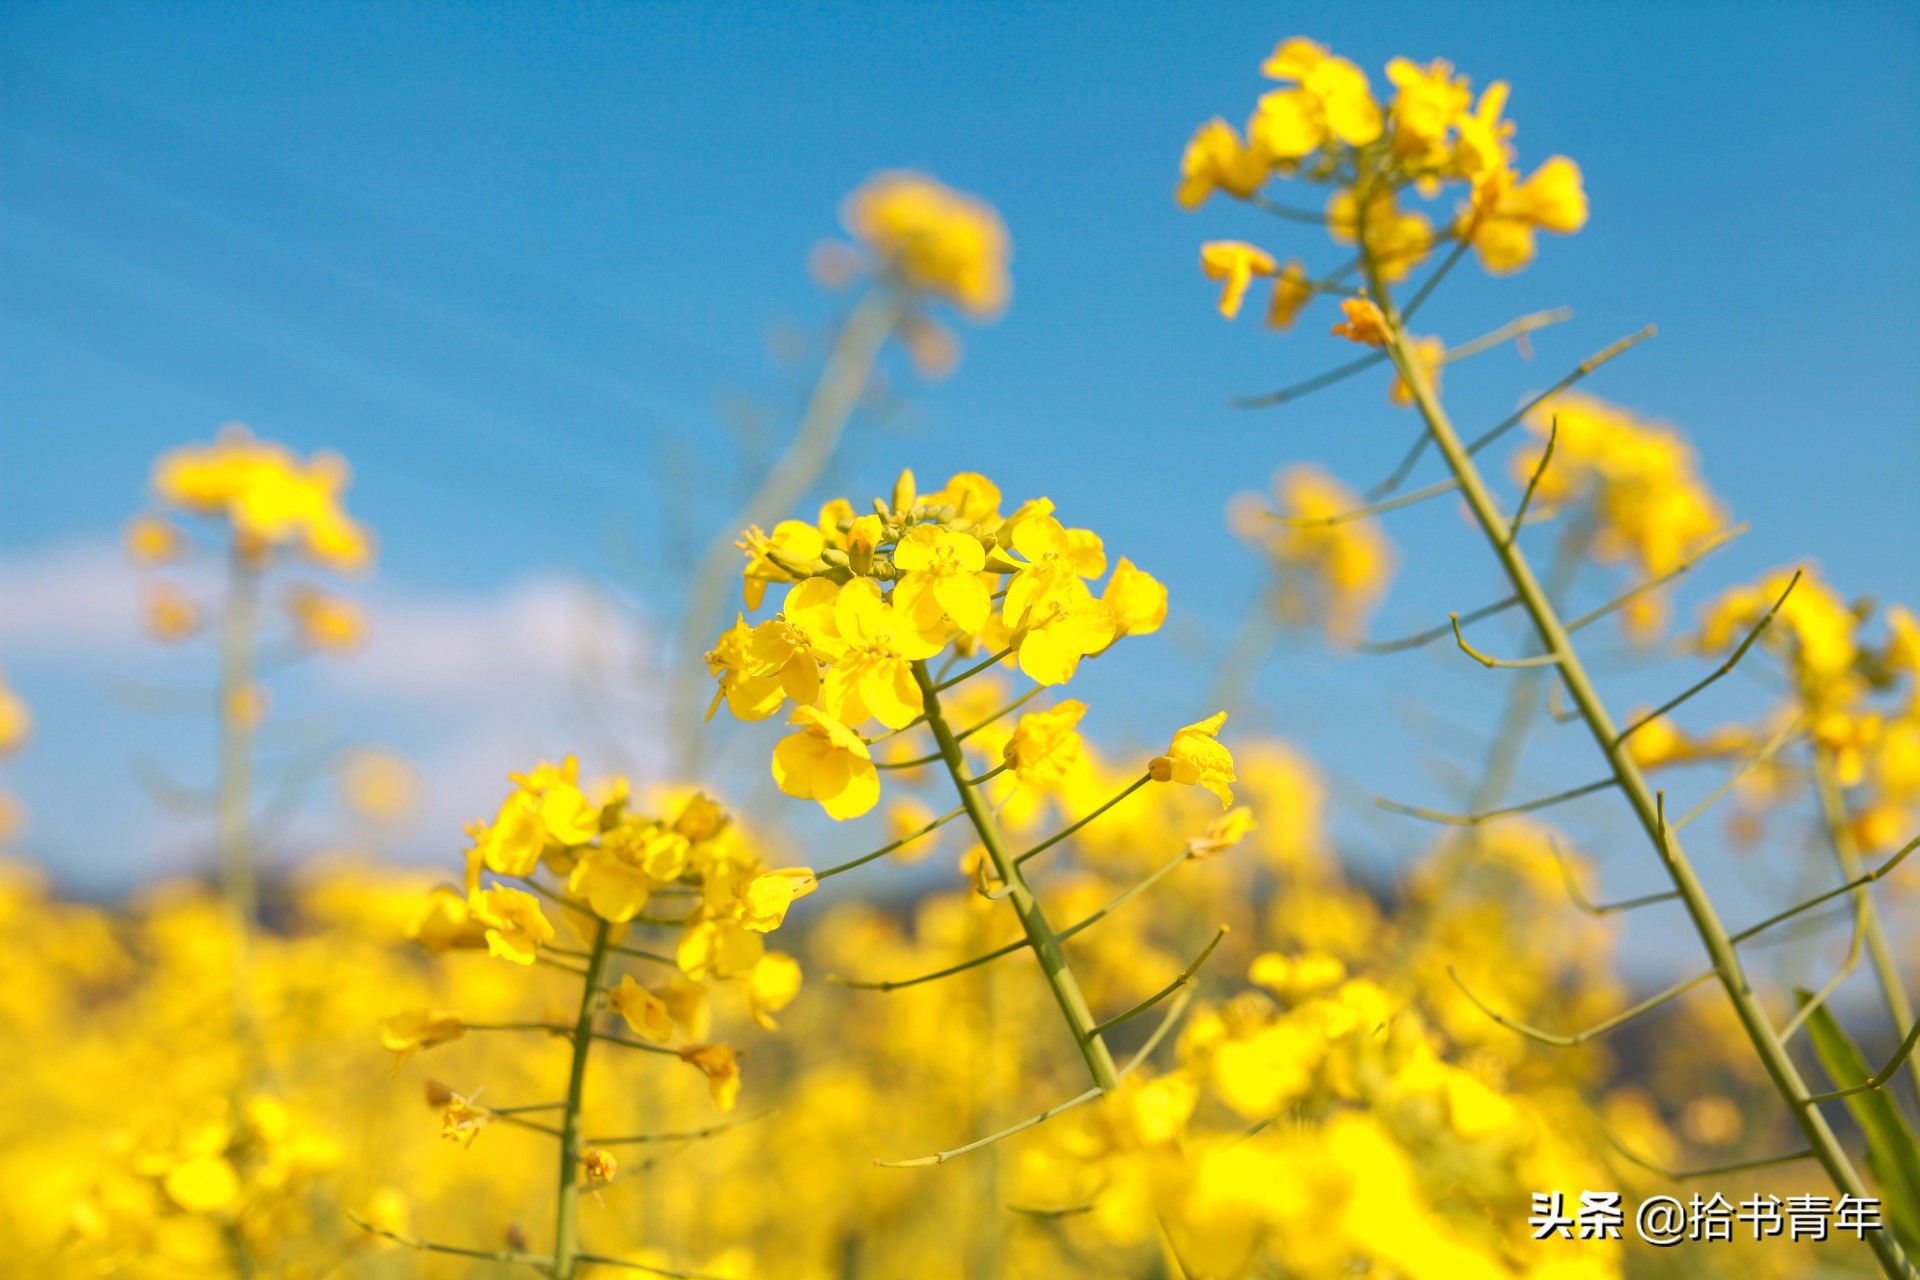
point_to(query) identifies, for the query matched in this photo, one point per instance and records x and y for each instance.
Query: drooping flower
(1197, 758)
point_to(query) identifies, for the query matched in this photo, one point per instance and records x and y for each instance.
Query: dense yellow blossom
(933, 238)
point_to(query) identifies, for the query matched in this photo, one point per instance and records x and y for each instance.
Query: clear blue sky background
(511, 258)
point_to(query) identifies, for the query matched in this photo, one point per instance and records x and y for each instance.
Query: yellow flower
(716, 1062)
(568, 816)
(510, 845)
(407, 1033)
(1332, 102)
(827, 762)
(1365, 323)
(203, 1184)
(1067, 627)
(644, 1012)
(1045, 744)
(16, 722)
(1138, 600)
(1482, 147)
(941, 578)
(763, 907)
(613, 887)
(516, 929)
(1056, 559)
(1502, 216)
(1196, 757)
(151, 540)
(598, 1165)
(326, 622)
(462, 1121)
(172, 615)
(1216, 160)
(718, 949)
(1292, 291)
(873, 677)
(933, 238)
(974, 498)
(1223, 833)
(785, 555)
(772, 986)
(1237, 263)
(447, 923)
(730, 661)
(269, 495)
(1396, 240)
(1431, 101)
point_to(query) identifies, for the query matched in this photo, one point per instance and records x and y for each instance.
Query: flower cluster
(873, 599)
(1646, 502)
(1858, 696)
(1323, 125)
(275, 510)
(1326, 571)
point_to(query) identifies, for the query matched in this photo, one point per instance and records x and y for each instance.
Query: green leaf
(1893, 1156)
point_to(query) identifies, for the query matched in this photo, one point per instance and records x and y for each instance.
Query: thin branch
(691, 1135)
(1362, 513)
(638, 954)
(1587, 904)
(1557, 709)
(1712, 545)
(1011, 947)
(1419, 638)
(1058, 836)
(1591, 1033)
(1475, 819)
(1546, 456)
(1432, 282)
(601, 1260)
(1868, 878)
(1186, 976)
(884, 850)
(1684, 1175)
(972, 671)
(1152, 1043)
(533, 1260)
(1718, 672)
(1584, 368)
(1540, 660)
(1291, 214)
(1519, 328)
(1856, 946)
(1319, 382)
(986, 777)
(1781, 737)
(1879, 1078)
(642, 1045)
(1401, 471)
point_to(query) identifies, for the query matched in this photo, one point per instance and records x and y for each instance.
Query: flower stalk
(1040, 934)
(1556, 643)
(566, 1218)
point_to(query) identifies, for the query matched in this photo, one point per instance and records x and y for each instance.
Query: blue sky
(520, 264)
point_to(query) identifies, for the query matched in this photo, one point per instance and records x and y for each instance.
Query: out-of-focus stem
(1833, 813)
(848, 367)
(566, 1218)
(233, 817)
(1040, 934)
(1554, 640)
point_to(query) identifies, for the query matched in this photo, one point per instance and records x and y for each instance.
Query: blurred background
(540, 274)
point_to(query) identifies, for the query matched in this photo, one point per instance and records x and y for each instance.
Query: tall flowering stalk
(270, 512)
(918, 243)
(879, 610)
(1323, 126)
(605, 867)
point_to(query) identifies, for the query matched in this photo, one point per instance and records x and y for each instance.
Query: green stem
(1833, 812)
(841, 382)
(566, 1223)
(1040, 935)
(239, 623)
(1554, 640)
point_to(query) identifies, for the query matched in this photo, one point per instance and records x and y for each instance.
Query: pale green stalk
(848, 368)
(233, 813)
(566, 1219)
(1040, 934)
(1555, 641)
(1833, 813)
